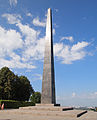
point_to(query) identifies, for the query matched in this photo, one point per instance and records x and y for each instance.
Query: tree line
(14, 87)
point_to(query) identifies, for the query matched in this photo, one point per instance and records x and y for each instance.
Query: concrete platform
(46, 107)
(20, 114)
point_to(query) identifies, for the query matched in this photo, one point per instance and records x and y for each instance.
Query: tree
(23, 88)
(7, 79)
(36, 97)
(13, 87)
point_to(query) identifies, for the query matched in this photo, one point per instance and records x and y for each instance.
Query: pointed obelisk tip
(49, 9)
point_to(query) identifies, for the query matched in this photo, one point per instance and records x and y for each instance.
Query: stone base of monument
(51, 110)
(47, 107)
(47, 104)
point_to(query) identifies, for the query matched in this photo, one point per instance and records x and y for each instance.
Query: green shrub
(15, 104)
(36, 97)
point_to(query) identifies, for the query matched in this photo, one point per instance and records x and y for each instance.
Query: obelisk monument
(48, 82)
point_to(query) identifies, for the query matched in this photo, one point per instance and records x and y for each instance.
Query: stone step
(69, 114)
(46, 108)
(42, 108)
(49, 105)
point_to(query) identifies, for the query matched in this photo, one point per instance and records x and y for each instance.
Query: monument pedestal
(46, 107)
(50, 105)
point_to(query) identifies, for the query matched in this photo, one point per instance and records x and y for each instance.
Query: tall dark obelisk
(48, 82)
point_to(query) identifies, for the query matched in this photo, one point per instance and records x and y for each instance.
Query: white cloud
(67, 54)
(70, 38)
(58, 47)
(29, 33)
(56, 10)
(34, 51)
(9, 38)
(32, 46)
(13, 2)
(15, 64)
(29, 14)
(79, 46)
(10, 41)
(12, 18)
(36, 22)
(73, 94)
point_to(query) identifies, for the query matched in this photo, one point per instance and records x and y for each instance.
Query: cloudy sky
(22, 40)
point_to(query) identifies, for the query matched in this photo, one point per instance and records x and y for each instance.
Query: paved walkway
(17, 114)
